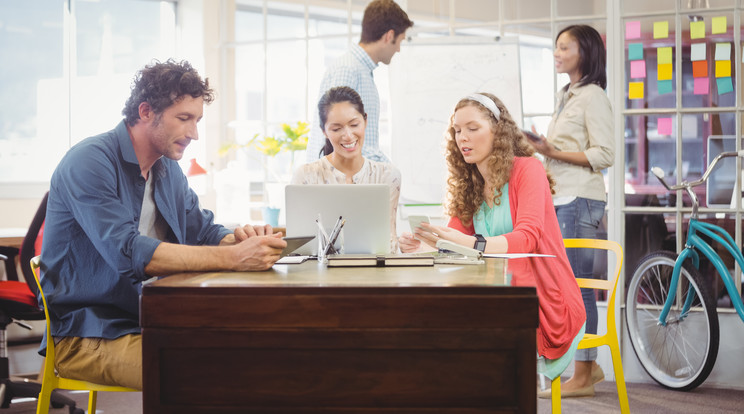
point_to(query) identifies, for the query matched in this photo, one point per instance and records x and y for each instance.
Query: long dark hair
(593, 62)
(333, 96)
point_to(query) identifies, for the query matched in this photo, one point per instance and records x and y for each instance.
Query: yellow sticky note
(635, 90)
(661, 30)
(664, 71)
(723, 68)
(719, 25)
(697, 30)
(664, 55)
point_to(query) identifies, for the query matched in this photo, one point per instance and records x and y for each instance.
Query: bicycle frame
(694, 244)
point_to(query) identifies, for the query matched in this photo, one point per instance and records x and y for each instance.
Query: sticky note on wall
(637, 68)
(723, 68)
(700, 69)
(663, 55)
(697, 51)
(664, 86)
(724, 85)
(723, 51)
(664, 126)
(661, 30)
(635, 90)
(664, 72)
(697, 30)
(633, 29)
(718, 25)
(635, 51)
(701, 86)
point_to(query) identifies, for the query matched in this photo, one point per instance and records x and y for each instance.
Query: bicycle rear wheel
(681, 354)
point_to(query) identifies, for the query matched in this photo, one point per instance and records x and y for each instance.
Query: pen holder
(324, 251)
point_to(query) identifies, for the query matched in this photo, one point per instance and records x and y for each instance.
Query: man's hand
(258, 252)
(248, 231)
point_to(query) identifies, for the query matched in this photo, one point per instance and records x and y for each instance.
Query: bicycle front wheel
(680, 354)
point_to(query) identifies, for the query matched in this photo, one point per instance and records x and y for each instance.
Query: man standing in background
(384, 27)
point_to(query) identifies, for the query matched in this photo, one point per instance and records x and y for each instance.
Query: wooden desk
(307, 339)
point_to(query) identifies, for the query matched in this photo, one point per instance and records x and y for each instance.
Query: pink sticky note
(637, 68)
(702, 85)
(633, 29)
(665, 126)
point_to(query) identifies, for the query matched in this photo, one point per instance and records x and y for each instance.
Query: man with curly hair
(120, 211)
(384, 26)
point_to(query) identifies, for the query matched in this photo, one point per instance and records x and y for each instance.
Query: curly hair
(162, 84)
(465, 185)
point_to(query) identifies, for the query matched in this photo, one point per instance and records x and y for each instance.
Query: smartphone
(294, 243)
(415, 221)
(531, 135)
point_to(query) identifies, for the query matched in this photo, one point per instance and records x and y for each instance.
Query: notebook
(365, 207)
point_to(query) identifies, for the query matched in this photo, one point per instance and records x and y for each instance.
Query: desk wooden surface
(308, 339)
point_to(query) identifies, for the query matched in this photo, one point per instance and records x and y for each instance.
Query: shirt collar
(128, 154)
(363, 57)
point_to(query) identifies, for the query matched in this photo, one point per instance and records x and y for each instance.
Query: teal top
(496, 220)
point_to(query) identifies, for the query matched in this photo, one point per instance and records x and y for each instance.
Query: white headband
(487, 102)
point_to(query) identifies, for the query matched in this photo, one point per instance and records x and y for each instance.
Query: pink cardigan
(536, 230)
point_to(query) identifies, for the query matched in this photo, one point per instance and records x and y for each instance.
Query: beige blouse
(372, 172)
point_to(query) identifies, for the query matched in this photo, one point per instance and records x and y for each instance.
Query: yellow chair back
(51, 380)
(610, 337)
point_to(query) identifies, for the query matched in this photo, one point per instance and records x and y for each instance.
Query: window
(67, 82)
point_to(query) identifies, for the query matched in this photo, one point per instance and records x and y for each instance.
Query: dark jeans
(581, 219)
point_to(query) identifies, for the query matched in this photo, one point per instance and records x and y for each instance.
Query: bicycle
(666, 315)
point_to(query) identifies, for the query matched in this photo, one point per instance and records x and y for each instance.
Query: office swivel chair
(18, 303)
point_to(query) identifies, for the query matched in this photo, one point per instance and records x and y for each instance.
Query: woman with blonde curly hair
(499, 199)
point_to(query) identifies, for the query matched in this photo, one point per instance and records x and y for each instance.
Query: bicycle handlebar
(659, 173)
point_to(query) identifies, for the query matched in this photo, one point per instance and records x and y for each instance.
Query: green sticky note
(724, 85)
(664, 86)
(635, 51)
(697, 30)
(661, 30)
(664, 55)
(719, 25)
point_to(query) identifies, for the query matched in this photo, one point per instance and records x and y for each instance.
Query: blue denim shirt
(93, 257)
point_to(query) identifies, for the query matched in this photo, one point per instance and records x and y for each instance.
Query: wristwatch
(480, 243)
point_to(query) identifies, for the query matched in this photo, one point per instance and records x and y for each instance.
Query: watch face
(480, 243)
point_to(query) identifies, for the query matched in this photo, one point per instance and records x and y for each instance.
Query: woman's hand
(430, 235)
(408, 243)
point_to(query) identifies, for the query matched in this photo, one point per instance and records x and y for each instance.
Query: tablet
(294, 243)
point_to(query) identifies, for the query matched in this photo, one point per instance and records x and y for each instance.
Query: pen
(334, 234)
(323, 233)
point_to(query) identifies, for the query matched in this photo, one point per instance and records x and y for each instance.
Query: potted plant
(293, 139)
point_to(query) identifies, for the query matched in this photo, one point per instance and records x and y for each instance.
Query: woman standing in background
(578, 147)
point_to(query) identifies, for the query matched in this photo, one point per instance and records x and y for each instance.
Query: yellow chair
(51, 380)
(610, 337)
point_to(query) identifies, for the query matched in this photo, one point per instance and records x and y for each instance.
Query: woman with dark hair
(343, 120)
(578, 147)
(499, 201)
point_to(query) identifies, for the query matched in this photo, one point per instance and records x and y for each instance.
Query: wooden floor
(644, 398)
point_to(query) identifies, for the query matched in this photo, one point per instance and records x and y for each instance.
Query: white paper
(517, 255)
(697, 52)
(292, 259)
(723, 51)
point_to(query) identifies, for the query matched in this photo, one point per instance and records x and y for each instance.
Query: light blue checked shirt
(353, 69)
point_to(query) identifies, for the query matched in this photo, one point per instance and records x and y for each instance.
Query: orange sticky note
(697, 30)
(635, 90)
(723, 68)
(700, 69)
(664, 71)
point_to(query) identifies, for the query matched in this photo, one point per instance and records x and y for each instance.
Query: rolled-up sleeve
(599, 128)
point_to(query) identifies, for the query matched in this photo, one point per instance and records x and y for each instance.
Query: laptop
(365, 207)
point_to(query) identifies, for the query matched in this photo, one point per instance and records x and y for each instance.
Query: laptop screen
(365, 207)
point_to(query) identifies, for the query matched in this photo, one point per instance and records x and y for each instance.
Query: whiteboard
(427, 79)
